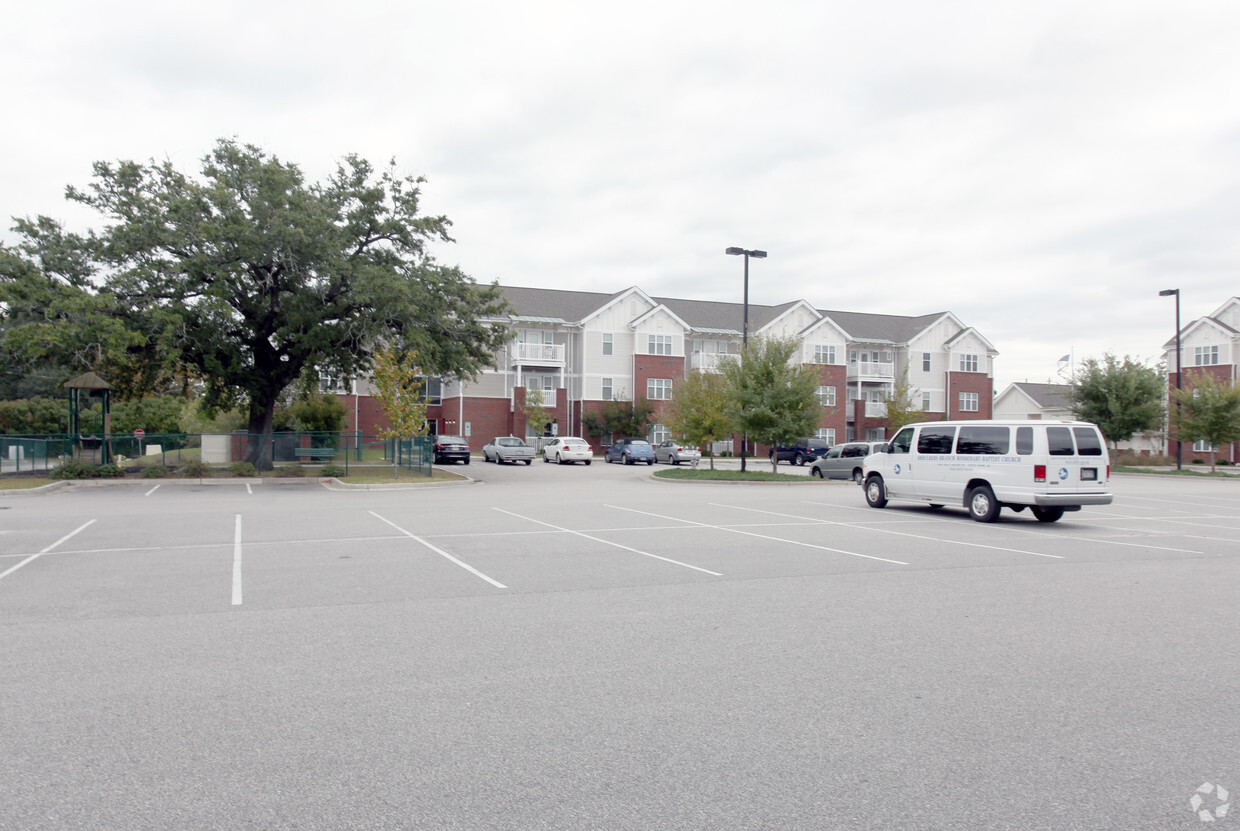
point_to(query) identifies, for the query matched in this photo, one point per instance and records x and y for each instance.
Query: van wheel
(815, 471)
(982, 504)
(858, 476)
(1047, 514)
(875, 493)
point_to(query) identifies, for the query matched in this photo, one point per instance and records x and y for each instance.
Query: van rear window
(1087, 443)
(1059, 441)
(985, 441)
(936, 439)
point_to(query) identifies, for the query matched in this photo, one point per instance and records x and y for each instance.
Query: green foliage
(1121, 397)
(154, 472)
(699, 409)
(79, 469)
(535, 411)
(110, 470)
(195, 470)
(772, 399)
(316, 412)
(901, 408)
(242, 469)
(1207, 410)
(619, 418)
(332, 470)
(196, 419)
(290, 471)
(154, 415)
(34, 416)
(398, 387)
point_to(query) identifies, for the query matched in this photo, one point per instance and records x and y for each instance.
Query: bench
(314, 454)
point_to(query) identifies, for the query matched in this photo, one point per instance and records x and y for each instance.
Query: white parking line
(609, 542)
(765, 536)
(440, 552)
(151, 491)
(39, 554)
(236, 584)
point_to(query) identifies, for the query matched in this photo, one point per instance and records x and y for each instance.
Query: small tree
(1208, 411)
(1122, 398)
(398, 387)
(772, 399)
(534, 408)
(901, 409)
(623, 418)
(698, 410)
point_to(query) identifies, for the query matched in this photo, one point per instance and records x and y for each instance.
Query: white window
(827, 433)
(659, 344)
(608, 346)
(968, 363)
(1205, 355)
(659, 434)
(925, 401)
(824, 354)
(1203, 447)
(606, 389)
(968, 402)
(659, 389)
(826, 396)
(925, 361)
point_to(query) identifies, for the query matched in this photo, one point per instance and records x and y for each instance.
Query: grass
(702, 474)
(17, 483)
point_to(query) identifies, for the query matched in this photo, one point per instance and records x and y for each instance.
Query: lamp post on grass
(756, 254)
(1179, 371)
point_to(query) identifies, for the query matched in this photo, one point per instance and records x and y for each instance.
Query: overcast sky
(1041, 169)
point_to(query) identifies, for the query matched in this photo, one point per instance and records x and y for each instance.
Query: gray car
(674, 452)
(503, 449)
(844, 460)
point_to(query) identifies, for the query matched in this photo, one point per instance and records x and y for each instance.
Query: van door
(897, 463)
(934, 479)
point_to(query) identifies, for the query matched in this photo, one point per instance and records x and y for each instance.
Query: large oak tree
(262, 276)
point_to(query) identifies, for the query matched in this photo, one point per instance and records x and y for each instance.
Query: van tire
(982, 504)
(816, 472)
(875, 493)
(1047, 514)
(858, 476)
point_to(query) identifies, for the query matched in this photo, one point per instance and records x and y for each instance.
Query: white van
(1048, 466)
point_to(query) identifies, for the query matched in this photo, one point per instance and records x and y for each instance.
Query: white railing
(705, 361)
(542, 353)
(868, 369)
(875, 409)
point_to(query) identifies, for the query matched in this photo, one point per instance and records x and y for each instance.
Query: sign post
(139, 434)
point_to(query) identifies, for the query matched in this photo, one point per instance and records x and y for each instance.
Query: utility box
(216, 450)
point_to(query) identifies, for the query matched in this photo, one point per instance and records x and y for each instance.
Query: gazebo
(89, 385)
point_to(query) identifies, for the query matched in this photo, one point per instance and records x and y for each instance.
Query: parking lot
(573, 647)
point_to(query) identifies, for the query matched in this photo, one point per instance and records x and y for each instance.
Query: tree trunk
(258, 450)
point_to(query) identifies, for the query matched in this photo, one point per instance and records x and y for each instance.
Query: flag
(1065, 359)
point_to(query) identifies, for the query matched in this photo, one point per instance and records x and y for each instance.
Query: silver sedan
(674, 452)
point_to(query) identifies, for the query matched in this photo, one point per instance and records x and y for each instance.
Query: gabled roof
(1045, 396)
(1199, 323)
(971, 331)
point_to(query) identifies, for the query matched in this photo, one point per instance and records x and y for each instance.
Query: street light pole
(1179, 372)
(747, 253)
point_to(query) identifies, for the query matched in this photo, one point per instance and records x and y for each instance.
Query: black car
(451, 449)
(805, 450)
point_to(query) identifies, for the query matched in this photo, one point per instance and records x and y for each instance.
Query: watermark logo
(1210, 802)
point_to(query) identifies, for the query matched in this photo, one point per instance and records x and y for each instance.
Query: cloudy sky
(1041, 169)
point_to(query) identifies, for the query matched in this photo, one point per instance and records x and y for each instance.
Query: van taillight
(1039, 473)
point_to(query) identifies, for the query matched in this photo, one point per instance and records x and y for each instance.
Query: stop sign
(139, 433)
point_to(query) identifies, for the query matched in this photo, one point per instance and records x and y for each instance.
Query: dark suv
(805, 450)
(451, 449)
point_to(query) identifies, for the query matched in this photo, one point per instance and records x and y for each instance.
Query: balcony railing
(876, 409)
(705, 361)
(869, 369)
(538, 353)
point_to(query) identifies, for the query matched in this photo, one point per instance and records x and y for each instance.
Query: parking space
(590, 647)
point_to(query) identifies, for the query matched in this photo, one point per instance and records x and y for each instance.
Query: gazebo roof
(88, 381)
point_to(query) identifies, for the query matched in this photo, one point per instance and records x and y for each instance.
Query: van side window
(990, 441)
(936, 439)
(903, 441)
(1087, 443)
(1059, 441)
(1024, 440)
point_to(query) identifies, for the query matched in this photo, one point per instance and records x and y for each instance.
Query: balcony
(870, 371)
(543, 354)
(705, 361)
(876, 409)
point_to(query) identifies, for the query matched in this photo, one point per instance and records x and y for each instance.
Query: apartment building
(581, 349)
(1210, 344)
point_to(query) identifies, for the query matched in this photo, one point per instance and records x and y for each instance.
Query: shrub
(73, 469)
(196, 470)
(290, 471)
(332, 470)
(109, 471)
(242, 469)
(154, 472)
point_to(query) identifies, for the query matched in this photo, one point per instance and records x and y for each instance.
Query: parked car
(845, 461)
(630, 451)
(567, 449)
(507, 449)
(674, 452)
(805, 450)
(451, 449)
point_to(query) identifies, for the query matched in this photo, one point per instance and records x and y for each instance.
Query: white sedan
(567, 449)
